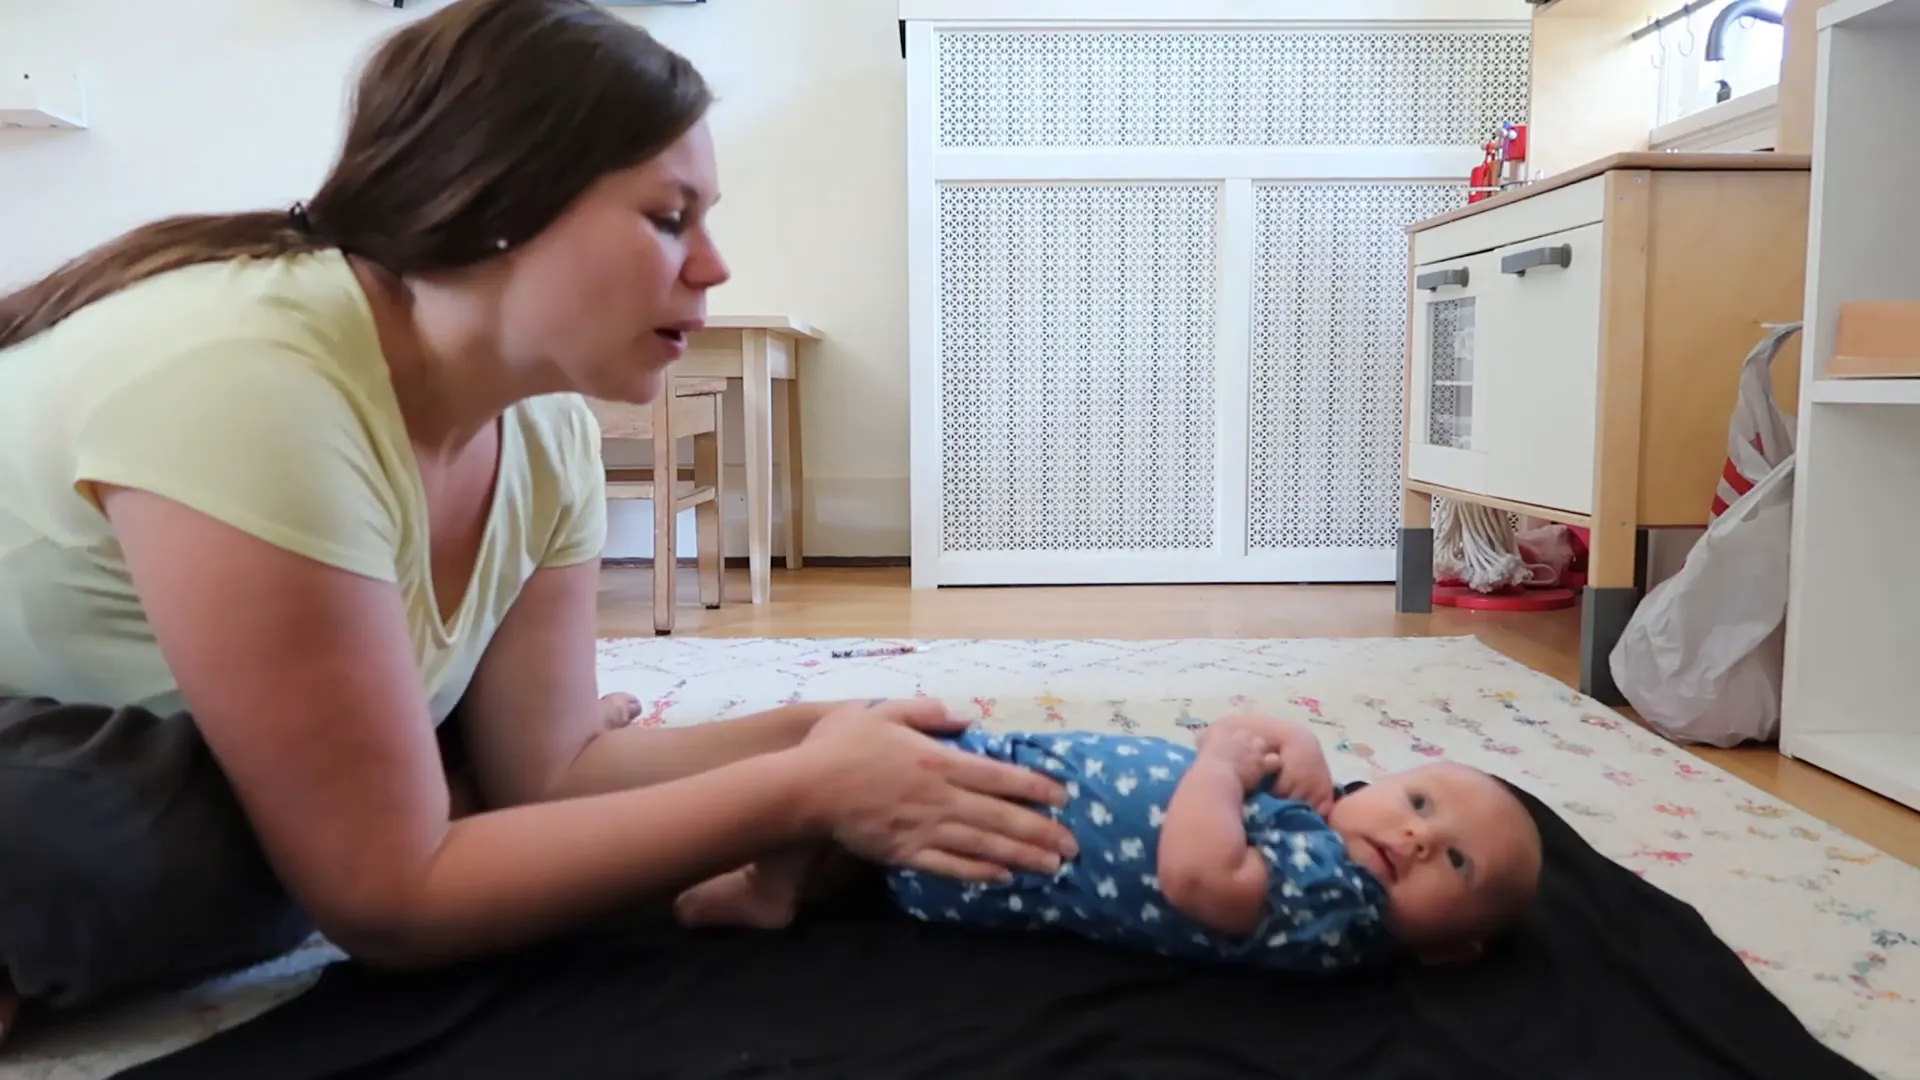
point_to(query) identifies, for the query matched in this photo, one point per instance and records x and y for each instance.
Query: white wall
(232, 104)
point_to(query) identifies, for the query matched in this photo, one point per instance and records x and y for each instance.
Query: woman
(278, 490)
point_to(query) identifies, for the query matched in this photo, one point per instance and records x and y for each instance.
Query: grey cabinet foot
(1603, 618)
(1413, 580)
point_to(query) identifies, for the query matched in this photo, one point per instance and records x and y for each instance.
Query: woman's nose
(706, 268)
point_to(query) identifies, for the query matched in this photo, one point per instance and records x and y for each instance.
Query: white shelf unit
(1156, 274)
(1867, 392)
(1851, 694)
(53, 100)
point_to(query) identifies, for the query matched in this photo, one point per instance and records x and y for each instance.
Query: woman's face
(606, 296)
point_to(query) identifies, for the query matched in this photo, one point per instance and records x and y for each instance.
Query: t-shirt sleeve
(251, 435)
(580, 532)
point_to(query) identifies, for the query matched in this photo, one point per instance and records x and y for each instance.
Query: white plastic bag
(1701, 658)
(1760, 436)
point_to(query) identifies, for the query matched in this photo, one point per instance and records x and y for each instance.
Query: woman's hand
(891, 794)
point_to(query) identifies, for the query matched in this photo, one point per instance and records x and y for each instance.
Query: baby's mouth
(1387, 860)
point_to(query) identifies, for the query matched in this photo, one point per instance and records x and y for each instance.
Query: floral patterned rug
(1829, 924)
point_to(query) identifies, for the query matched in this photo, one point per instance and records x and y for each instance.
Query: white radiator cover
(1158, 282)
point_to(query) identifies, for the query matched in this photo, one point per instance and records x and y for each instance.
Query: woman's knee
(129, 863)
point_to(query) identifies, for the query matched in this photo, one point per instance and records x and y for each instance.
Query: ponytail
(149, 251)
(471, 130)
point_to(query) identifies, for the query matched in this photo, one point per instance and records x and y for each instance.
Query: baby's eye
(1457, 860)
(1418, 802)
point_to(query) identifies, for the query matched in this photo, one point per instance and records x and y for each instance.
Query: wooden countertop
(787, 324)
(1639, 159)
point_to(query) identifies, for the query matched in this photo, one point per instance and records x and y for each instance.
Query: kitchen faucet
(1717, 33)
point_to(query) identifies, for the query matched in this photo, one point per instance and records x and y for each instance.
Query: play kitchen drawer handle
(1440, 279)
(1560, 255)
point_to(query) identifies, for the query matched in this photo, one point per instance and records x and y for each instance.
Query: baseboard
(847, 515)
(739, 562)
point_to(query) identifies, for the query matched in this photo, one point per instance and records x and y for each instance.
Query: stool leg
(787, 471)
(666, 470)
(706, 516)
(756, 396)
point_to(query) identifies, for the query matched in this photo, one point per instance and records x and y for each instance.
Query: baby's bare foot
(741, 898)
(619, 710)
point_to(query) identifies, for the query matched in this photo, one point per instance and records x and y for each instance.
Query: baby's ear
(1459, 952)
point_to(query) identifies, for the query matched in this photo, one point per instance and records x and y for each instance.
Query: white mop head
(1475, 544)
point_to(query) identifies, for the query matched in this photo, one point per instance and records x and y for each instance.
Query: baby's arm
(1208, 870)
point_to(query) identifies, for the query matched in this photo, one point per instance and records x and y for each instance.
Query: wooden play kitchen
(1574, 351)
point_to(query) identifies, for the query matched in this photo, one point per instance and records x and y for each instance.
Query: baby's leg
(764, 895)
(9, 1006)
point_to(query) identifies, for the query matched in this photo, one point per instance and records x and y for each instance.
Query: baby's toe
(619, 710)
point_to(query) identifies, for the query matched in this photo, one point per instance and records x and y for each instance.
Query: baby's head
(1456, 850)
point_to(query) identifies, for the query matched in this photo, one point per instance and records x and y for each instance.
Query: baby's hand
(1266, 727)
(1292, 748)
(1248, 755)
(1304, 775)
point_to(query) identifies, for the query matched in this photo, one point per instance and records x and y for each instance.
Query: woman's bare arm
(638, 756)
(302, 678)
(529, 715)
(534, 732)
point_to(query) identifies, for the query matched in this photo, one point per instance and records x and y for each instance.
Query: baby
(1241, 850)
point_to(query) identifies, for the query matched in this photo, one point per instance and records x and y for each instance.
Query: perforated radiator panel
(1077, 367)
(1328, 360)
(1144, 88)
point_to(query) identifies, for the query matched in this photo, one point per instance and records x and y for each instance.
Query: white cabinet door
(1156, 281)
(1543, 333)
(1448, 419)
(1326, 357)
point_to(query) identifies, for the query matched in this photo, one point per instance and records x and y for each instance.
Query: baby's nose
(1419, 839)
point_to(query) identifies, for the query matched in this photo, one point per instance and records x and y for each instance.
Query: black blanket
(1613, 979)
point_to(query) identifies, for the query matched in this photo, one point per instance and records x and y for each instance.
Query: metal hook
(1688, 22)
(1657, 58)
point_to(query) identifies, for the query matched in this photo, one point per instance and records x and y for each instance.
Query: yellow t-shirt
(254, 392)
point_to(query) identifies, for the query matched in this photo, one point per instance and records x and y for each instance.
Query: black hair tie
(300, 219)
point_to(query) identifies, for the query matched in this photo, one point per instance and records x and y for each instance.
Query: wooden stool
(690, 410)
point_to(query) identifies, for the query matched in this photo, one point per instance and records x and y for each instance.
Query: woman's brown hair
(471, 129)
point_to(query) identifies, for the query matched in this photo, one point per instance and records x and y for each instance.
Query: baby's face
(1450, 844)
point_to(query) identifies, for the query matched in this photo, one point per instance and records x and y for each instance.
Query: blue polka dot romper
(1324, 912)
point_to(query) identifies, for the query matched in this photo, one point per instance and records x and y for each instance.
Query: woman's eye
(671, 224)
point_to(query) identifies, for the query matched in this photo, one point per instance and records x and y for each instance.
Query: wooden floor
(879, 603)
